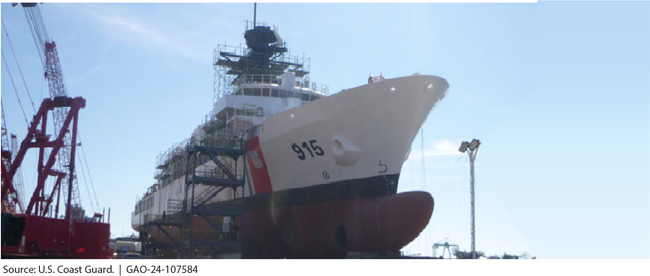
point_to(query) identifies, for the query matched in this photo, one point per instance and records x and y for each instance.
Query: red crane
(38, 232)
(54, 74)
(10, 197)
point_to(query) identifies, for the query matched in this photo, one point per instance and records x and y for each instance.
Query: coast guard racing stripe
(257, 166)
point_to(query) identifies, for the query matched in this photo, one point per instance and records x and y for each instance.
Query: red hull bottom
(331, 229)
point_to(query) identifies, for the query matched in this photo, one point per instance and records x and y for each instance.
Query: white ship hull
(363, 132)
(341, 154)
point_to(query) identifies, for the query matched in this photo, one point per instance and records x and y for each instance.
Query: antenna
(254, 14)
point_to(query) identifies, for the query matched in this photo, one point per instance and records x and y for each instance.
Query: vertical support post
(254, 14)
(472, 150)
(58, 200)
(185, 215)
(472, 156)
(227, 120)
(71, 174)
(192, 203)
(47, 201)
(243, 192)
(41, 154)
(39, 196)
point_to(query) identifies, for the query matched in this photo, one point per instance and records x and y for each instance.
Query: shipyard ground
(350, 255)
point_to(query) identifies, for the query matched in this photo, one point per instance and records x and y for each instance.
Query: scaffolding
(264, 54)
(171, 165)
(208, 211)
(224, 217)
(211, 164)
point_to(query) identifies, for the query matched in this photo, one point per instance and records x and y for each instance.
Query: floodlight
(463, 146)
(475, 143)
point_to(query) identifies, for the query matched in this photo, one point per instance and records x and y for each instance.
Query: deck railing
(301, 84)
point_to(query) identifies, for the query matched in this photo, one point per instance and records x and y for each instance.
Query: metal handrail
(258, 79)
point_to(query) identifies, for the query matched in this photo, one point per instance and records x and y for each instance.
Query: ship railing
(210, 118)
(302, 84)
(161, 159)
(258, 79)
(316, 88)
(174, 154)
(299, 91)
(250, 25)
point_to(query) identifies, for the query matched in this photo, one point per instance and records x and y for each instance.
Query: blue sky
(558, 92)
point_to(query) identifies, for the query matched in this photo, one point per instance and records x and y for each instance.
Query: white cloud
(129, 29)
(94, 70)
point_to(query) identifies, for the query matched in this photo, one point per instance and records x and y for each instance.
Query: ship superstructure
(251, 84)
(281, 169)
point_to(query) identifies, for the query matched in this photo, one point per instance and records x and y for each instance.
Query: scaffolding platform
(221, 216)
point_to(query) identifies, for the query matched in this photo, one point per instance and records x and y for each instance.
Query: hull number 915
(312, 148)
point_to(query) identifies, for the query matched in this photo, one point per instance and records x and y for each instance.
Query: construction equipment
(447, 246)
(38, 231)
(54, 74)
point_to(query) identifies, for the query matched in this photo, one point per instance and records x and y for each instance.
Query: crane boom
(56, 84)
(39, 232)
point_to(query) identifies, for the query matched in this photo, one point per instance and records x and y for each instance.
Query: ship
(282, 169)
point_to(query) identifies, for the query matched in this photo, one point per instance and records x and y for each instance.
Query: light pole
(473, 150)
